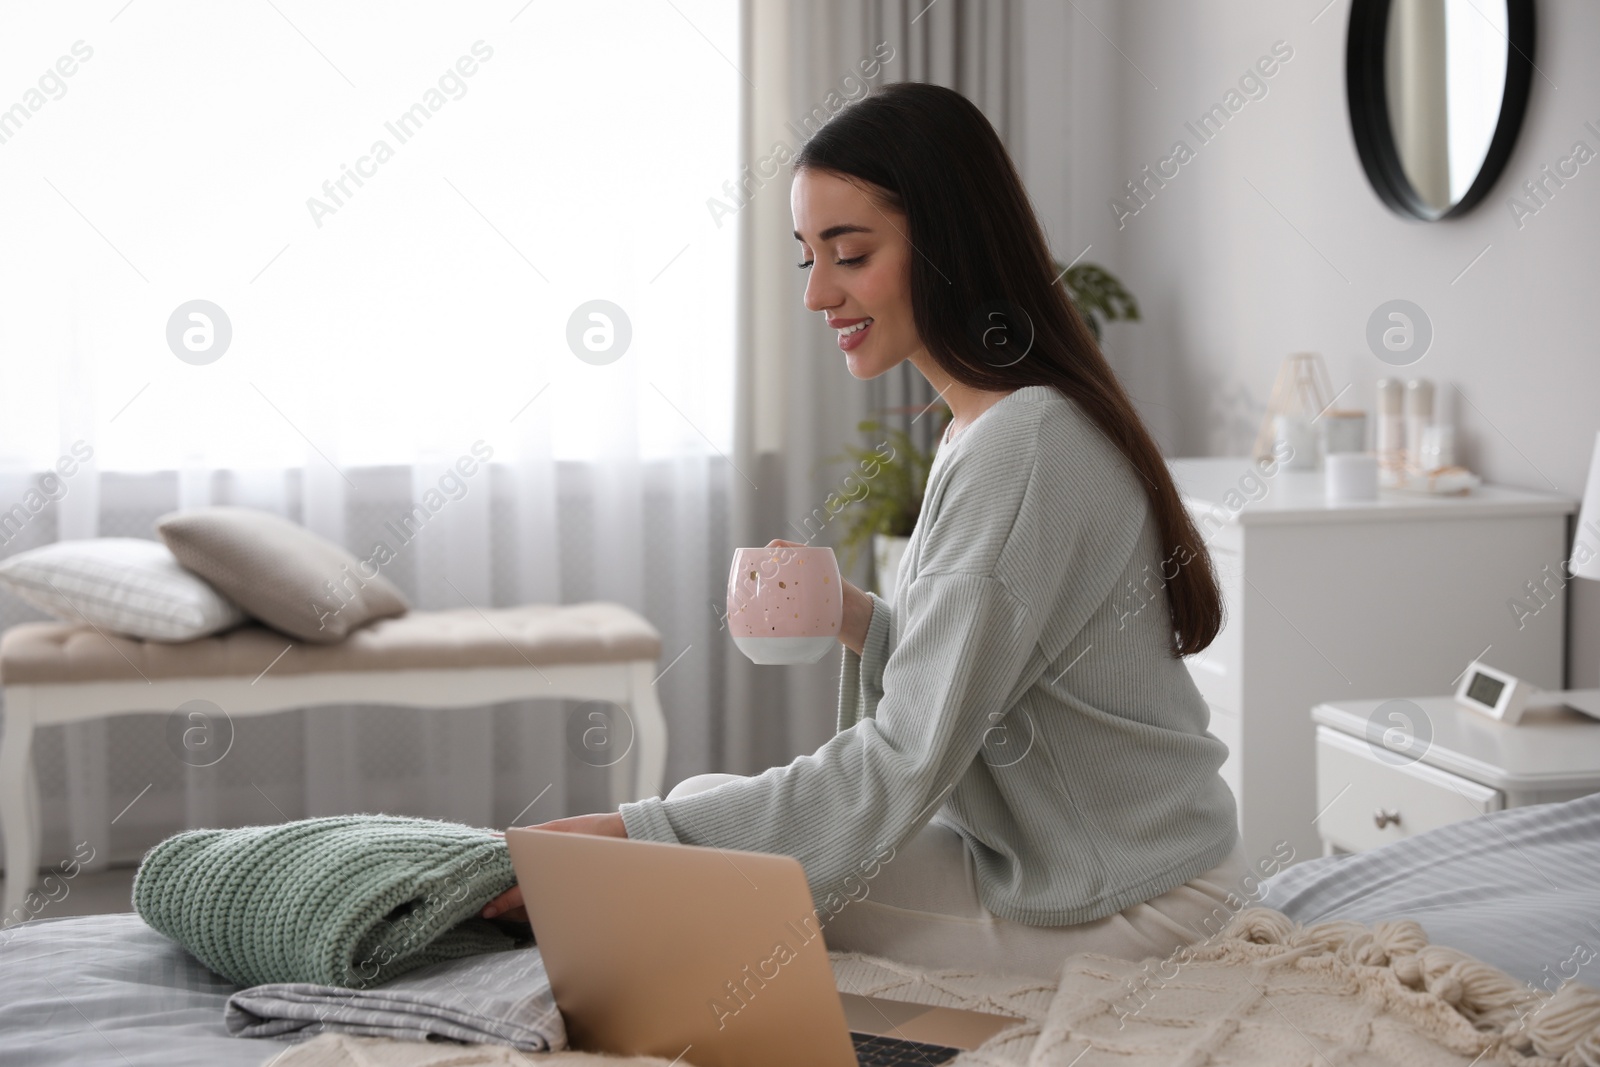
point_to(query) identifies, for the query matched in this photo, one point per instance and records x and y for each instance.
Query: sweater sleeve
(861, 676)
(966, 653)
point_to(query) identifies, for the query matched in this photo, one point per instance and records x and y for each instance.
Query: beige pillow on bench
(280, 572)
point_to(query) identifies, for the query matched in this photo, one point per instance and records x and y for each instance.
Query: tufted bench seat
(59, 673)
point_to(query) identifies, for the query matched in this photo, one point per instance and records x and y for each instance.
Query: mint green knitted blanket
(351, 900)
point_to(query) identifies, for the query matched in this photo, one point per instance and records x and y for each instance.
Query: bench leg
(649, 735)
(19, 808)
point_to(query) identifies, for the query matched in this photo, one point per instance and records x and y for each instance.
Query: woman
(1022, 768)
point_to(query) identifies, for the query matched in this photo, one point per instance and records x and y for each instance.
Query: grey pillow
(280, 572)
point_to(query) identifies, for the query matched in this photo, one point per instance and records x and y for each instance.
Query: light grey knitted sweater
(1021, 680)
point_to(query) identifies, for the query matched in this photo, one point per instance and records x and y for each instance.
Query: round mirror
(1437, 89)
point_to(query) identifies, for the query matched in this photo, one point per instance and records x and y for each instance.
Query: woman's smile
(852, 331)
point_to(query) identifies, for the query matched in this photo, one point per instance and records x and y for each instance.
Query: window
(398, 210)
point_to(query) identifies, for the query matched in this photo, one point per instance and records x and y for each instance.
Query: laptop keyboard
(874, 1050)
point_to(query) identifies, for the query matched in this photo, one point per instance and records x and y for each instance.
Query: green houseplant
(893, 499)
(1098, 295)
(887, 513)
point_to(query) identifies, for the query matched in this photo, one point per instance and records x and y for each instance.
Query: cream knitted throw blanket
(351, 900)
(1268, 991)
(1265, 992)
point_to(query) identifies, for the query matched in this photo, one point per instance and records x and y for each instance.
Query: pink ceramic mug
(785, 604)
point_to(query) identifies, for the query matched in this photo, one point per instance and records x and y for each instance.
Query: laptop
(711, 957)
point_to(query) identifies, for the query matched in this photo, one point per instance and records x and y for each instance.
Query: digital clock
(1493, 692)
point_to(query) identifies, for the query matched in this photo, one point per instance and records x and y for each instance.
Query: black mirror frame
(1368, 99)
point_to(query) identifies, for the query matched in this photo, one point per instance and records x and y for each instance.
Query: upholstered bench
(59, 673)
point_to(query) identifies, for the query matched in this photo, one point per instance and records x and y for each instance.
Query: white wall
(1270, 240)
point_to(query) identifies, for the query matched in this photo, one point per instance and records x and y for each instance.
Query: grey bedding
(1519, 889)
(500, 998)
(107, 989)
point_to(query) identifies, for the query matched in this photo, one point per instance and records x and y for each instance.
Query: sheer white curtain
(402, 214)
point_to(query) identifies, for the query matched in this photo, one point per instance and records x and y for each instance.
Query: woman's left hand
(508, 905)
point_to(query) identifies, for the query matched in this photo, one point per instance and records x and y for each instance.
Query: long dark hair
(982, 277)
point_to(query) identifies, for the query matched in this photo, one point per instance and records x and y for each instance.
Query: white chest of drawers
(1345, 602)
(1450, 763)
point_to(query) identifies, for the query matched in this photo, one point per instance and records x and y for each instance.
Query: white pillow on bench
(124, 585)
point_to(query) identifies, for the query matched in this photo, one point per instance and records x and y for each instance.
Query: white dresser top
(1205, 484)
(1550, 748)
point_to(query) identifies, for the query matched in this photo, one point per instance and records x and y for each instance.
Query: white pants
(922, 908)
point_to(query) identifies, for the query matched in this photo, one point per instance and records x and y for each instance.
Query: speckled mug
(784, 603)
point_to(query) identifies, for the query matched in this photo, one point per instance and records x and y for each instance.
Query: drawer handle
(1384, 818)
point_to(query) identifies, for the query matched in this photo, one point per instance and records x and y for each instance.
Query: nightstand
(1356, 601)
(1390, 769)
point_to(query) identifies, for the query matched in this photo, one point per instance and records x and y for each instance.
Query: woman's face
(859, 264)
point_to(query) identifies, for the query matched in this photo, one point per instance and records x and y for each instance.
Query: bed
(1519, 889)
(107, 989)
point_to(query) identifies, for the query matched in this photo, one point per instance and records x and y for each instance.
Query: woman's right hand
(857, 607)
